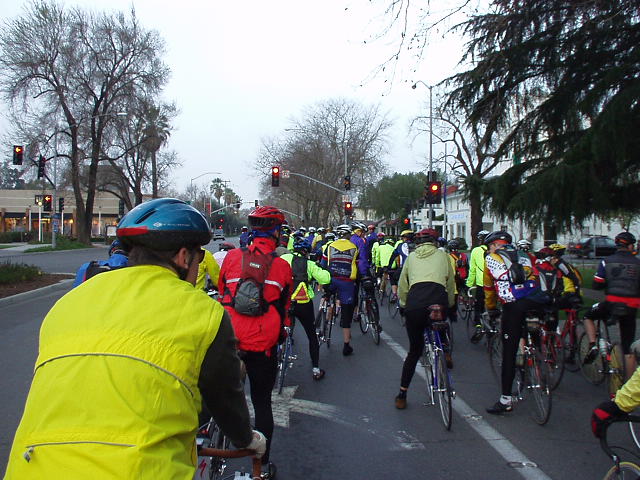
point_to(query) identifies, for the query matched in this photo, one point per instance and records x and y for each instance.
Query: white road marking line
(498, 442)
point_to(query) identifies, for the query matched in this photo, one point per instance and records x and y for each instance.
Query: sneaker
(478, 335)
(448, 360)
(318, 375)
(591, 355)
(269, 472)
(499, 408)
(347, 350)
(401, 403)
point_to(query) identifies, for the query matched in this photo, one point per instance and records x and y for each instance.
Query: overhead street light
(430, 87)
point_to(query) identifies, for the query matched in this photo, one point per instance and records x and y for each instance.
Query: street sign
(285, 173)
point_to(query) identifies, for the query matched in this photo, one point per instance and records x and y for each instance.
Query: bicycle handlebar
(603, 440)
(243, 452)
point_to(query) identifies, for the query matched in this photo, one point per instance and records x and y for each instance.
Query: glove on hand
(602, 415)
(258, 443)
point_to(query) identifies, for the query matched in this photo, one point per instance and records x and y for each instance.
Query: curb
(61, 285)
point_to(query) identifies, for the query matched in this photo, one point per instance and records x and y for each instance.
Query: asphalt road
(346, 426)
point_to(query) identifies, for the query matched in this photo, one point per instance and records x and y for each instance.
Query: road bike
(608, 363)
(551, 345)
(383, 287)
(286, 356)
(466, 305)
(368, 313)
(439, 383)
(490, 330)
(620, 470)
(213, 451)
(569, 337)
(327, 314)
(532, 375)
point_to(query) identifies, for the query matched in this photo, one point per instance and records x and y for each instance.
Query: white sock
(316, 370)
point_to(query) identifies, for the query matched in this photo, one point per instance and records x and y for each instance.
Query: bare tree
(73, 68)
(331, 139)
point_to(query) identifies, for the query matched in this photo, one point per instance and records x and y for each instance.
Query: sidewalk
(21, 247)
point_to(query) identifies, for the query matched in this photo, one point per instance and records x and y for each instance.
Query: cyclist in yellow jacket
(208, 266)
(126, 359)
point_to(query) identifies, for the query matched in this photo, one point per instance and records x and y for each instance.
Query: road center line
(497, 441)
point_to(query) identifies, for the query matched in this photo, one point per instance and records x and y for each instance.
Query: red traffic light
(435, 187)
(275, 176)
(18, 154)
(275, 170)
(18, 149)
(406, 221)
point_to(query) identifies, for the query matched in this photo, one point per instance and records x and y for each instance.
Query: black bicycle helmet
(165, 224)
(453, 245)
(497, 235)
(481, 234)
(624, 239)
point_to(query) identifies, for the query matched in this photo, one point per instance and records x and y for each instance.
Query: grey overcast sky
(241, 70)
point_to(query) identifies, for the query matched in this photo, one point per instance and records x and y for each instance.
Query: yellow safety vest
(115, 390)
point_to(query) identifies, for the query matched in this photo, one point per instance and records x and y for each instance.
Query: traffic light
(433, 192)
(238, 205)
(60, 204)
(256, 203)
(347, 182)
(41, 164)
(406, 221)
(18, 154)
(121, 208)
(275, 176)
(46, 203)
(348, 208)
(38, 200)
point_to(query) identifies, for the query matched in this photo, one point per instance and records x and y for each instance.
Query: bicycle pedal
(293, 357)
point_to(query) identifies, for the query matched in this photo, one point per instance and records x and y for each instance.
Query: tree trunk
(154, 175)
(476, 216)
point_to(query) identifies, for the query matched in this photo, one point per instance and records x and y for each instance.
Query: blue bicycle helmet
(165, 224)
(118, 247)
(302, 245)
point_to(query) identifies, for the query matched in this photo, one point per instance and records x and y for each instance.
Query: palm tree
(156, 133)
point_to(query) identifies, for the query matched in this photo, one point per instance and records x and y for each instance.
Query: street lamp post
(430, 87)
(193, 200)
(346, 171)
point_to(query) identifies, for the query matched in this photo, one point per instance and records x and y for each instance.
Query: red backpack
(248, 299)
(462, 265)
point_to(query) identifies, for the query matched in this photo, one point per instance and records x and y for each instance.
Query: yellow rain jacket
(115, 390)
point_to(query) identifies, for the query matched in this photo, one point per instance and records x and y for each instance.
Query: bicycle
(328, 312)
(285, 355)
(466, 306)
(531, 377)
(569, 338)
(620, 470)
(439, 384)
(609, 363)
(369, 314)
(213, 450)
(383, 286)
(551, 346)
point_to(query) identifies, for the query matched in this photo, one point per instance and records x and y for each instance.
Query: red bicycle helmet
(426, 235)
(265, 218)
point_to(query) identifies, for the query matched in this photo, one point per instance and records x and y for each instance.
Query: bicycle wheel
(553, 356)
(373, 314)
(363, 319)
(444, 391)
(634, 429)
(283, 364)
(495, 357)
(470, 321)
(322, 325)
(594, 371)
(392, 308)
(615, 376)
(330, 321)
(427, 363)
(570, 346)
(539, 391)
(627, 471)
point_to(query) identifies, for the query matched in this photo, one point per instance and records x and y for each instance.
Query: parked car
(218, 234)
(595, 246)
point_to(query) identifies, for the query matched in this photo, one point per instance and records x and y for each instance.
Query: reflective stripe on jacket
(115, 389)
(322, 276)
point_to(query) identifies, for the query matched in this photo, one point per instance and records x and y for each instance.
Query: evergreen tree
(561, 80)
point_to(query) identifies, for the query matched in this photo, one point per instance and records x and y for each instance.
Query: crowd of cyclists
(118, 388)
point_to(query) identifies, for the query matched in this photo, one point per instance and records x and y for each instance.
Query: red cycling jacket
(257, 334)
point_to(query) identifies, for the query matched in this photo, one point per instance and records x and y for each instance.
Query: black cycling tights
(305, 313)
(262, 371)
(626, 322)
(416, 322)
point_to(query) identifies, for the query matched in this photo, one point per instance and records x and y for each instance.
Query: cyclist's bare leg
(346, 335)
(590, 329)
(630, 365)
